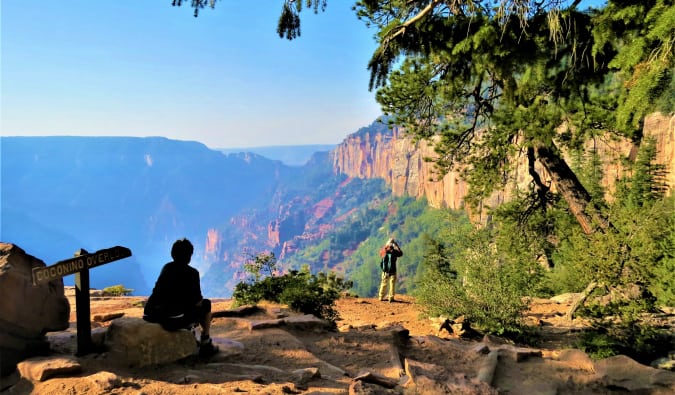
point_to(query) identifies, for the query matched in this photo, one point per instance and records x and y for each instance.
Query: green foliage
(663, 270)
(355, 213)
(300, 290)
(589, 169)
(637, 249)
(261, 265)
(406, 219)
(117, 290)
(641, 34)
(632, 261)
(486, 80)
(637, 340)
(469, 275)
(598, 345)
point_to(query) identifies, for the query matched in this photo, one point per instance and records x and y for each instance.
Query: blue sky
(145, 68)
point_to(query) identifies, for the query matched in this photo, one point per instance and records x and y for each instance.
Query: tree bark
(577, 197)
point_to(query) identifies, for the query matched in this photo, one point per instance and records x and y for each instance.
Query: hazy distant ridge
(290, 155)
(60, 194)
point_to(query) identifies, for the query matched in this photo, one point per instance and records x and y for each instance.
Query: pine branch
(401, 29)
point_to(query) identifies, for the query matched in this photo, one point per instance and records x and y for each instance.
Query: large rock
(133, 342)
(623, 373)
(27, 312)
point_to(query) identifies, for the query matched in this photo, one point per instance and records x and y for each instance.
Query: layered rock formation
(400, 161)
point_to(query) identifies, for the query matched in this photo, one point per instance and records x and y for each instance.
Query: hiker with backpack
(389, 253)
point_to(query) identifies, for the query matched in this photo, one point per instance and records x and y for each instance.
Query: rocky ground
(368, 354)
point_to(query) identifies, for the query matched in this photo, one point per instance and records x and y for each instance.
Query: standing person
(176, 301)
(390, 253)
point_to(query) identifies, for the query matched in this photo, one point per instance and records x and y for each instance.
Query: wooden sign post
(80, 265)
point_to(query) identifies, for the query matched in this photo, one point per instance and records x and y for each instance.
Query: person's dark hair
(182, 251)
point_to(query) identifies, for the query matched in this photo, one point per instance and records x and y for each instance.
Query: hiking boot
(207, 349)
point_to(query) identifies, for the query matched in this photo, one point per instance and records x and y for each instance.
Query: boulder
(134, 342)
(27, 311)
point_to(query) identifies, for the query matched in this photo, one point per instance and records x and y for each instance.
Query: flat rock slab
(135, 342)
(42, 368)
(242, 311)
(301, 322)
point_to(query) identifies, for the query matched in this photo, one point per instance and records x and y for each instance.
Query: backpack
(385, 263)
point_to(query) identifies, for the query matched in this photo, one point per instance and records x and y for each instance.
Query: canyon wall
(400, 161)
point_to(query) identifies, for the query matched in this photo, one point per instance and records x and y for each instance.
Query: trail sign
(80, 265)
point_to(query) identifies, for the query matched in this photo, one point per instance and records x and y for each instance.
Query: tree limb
(423, 12)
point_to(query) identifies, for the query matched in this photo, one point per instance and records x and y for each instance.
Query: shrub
(300, 290)
(117, 290)
(473, 279)
(639, 341)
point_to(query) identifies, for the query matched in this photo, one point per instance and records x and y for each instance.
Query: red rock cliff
(399, 160)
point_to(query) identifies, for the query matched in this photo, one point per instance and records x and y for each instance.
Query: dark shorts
(185, 320)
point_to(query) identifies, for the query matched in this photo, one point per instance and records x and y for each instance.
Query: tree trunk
(571, 189)
(578, 200)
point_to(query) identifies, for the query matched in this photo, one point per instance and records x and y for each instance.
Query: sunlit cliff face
(401, 163)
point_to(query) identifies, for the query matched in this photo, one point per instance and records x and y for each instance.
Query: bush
(473, 279)
(117, 290)
(300, 290)
(640, 341)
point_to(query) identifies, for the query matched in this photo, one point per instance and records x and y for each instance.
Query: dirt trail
(362, 342)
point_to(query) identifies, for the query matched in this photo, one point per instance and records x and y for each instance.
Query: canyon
(61, 194)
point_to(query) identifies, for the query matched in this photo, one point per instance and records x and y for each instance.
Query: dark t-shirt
(176, 291)
(394, 254)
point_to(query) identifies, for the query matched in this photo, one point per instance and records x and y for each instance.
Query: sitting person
(176, 301)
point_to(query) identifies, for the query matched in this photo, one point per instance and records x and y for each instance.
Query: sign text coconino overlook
(79, 263)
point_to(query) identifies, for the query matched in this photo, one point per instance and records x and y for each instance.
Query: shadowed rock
(27, 312)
